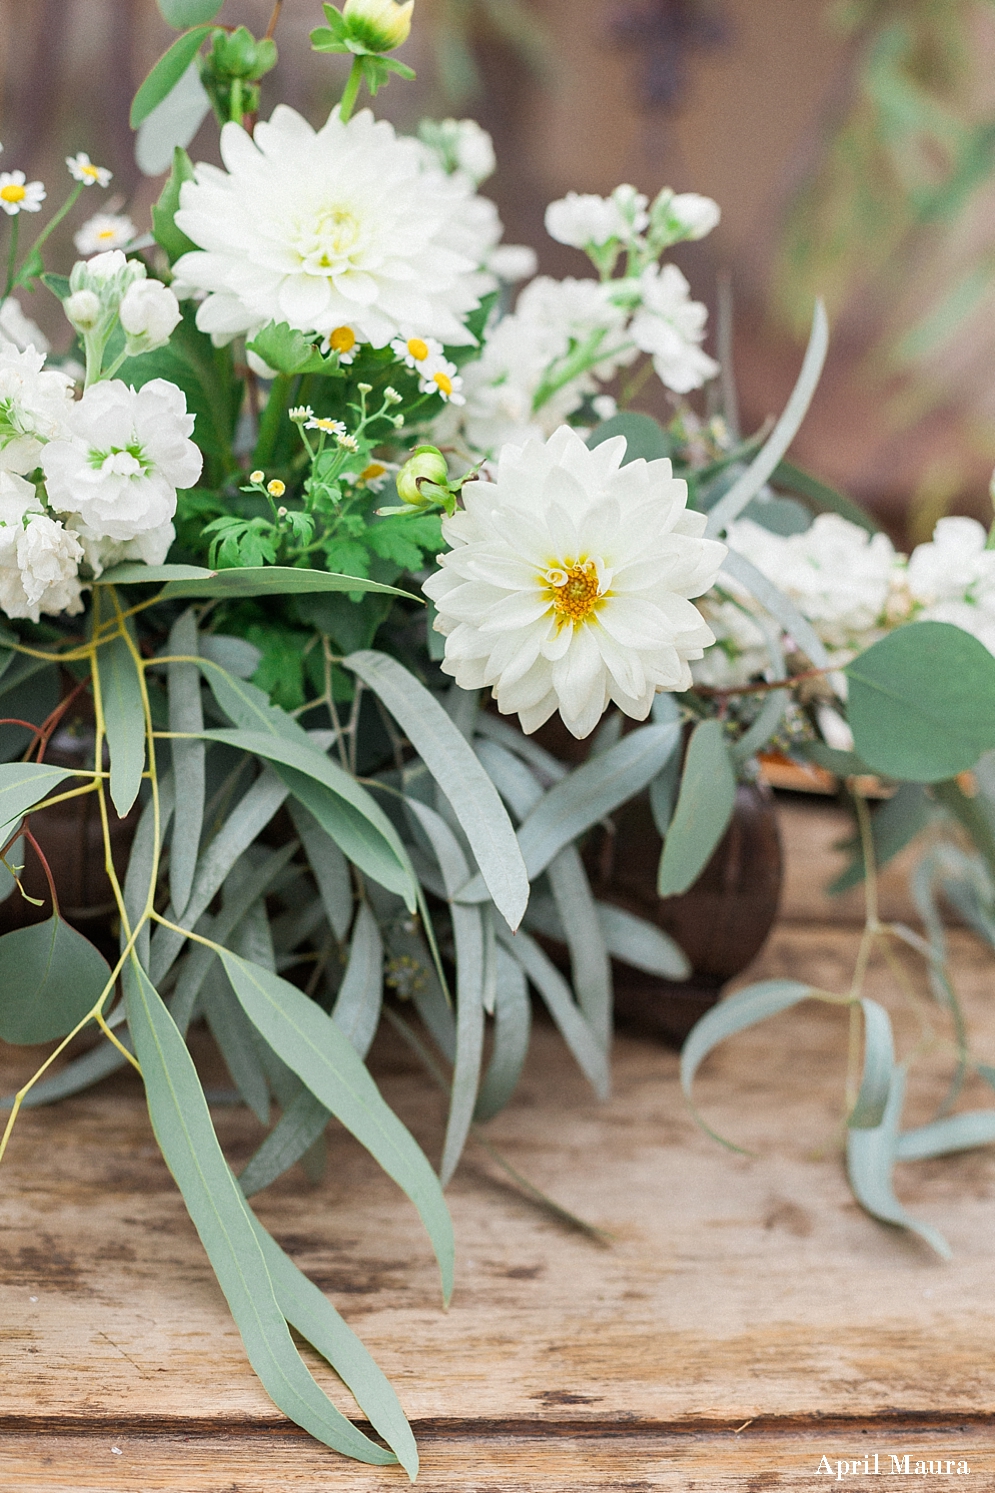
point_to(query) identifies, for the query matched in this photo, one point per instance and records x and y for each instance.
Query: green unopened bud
(381, 25)
(425, 465)
(83, 310)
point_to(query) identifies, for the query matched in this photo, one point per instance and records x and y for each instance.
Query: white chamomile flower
(124, 455)
(348, 442)
(18, 195)
(299, 413)
(351, 225)
(81, 168)
(377, 474)
(438, 376)
(414, 351)
(568, 580)
(104, 231)
(323, 423)
(341, 341)
(671, 327)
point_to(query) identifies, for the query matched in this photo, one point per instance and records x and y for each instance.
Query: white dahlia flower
(39, 558)
(568, 580)
(351, 226)
(671, 327)
(125, 454)
(952, 579)
(35, 403)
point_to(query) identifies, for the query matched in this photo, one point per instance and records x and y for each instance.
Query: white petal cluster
(350, 225)
(19, 329)
(952, 579)
(104, 231)
(39, 557)
(740, 652)
(35, 403)
(840, 577)
(149, 312)
(581, 218)
(460, 145)
(117, 469)
(501, 386)
(671, 327)
(568, 580)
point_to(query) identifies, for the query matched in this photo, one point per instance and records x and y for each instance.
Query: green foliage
(231, 70)
(50, 978)
(124, 717)
(705, 803)
(167, 73)
(24, 784)
(289, 351)
(897, 822)
(922, 702)
(645, 438)
(167, 235)
(182, 13)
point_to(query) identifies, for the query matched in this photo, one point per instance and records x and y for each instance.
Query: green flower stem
(586, 356)
(269, 423)
(15, 229)
(54, 222)
(348, 100)
(235, 108)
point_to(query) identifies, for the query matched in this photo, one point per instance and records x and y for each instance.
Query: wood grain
(737, 1287)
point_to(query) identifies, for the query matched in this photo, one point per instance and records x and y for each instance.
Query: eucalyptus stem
(348, 100)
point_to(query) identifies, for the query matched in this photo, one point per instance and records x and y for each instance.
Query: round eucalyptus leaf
(922, 702)
(50, 977)
(644, 436)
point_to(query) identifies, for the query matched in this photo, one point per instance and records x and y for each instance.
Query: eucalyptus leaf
(167, 73)
(301, 1124)
(779, 606)
(171, 125)
(330, 868)
(734, 1014)
(897, 821)
(316, 1050)
(274, 580)
(589, 964)
(185, 715)
(451, 761)
(25, 784)
(954, 1133)
(186, 1137)
(870, 1159)
(50, 978)
(182, 13)
(642, 945)
(468, 937)
(645, 438)
(140, 878)
(512, 1026)
(124, 718)
(766, 725)
(728, 508)
(560, 1003)
(921, 702)
(705, 805)
(237, 656)
(357, 1006)
(879, 1063)
(235, 1035)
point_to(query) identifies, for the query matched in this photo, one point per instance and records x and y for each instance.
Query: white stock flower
(697, 215)
(150, 547)
(568, 580)
(126, 453)
(671, 327)
(460, 145)
(347, 226)
(581, 218)
(19, 329)
(501, 386)
(35, 404)
(39, 557)
(18, 195)
(104, 231)
(740, 652)
(952, 579)
(82, 169)
(513, 262)
(149, 313)
(839, 576)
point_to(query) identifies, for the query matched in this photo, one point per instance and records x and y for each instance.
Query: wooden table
(747, 1321)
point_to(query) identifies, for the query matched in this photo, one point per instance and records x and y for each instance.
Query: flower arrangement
(298, 411)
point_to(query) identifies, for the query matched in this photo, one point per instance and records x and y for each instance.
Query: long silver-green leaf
(870, 1161)
(124, 718)
(453, 764)
(186, 715)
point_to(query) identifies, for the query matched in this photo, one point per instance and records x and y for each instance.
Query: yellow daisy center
(342, 340)
(574, 590)
(372, 472)
(91, 171)
(443, 383)
(418, 349)
(12, 192)
(107, 233)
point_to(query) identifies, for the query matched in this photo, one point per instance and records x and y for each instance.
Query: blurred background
(850, 143)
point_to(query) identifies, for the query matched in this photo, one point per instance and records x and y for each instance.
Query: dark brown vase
(720, 923)
(71, 839)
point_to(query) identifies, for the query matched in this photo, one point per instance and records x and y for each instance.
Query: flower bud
(149, 312)
(381, 25)
(83, 310)
(425, 464)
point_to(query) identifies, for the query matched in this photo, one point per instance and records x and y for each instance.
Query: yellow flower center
(574, 590)
(107, 233)
(342, 340)
(276, 488)
(372, 472)
(443, 383)
(12, 192)
(91, 171)
(418, 349)
(328, 242)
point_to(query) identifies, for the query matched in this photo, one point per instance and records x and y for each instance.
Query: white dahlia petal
(568, 580)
